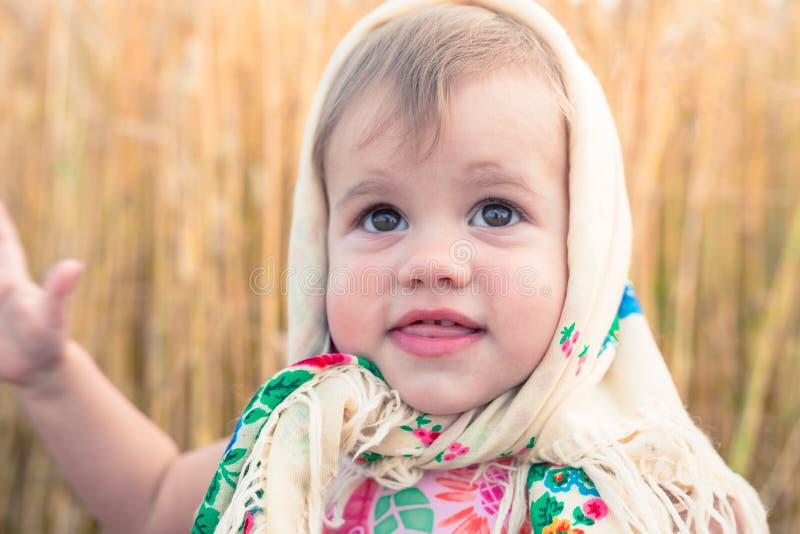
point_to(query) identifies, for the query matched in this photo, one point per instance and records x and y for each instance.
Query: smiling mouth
(436, 329)
(433, 339)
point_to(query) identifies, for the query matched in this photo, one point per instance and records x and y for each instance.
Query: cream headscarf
(609, 406)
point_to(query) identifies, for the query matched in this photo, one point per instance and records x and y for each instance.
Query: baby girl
(474, 360)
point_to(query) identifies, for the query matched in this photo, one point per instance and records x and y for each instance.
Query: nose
(438, 263)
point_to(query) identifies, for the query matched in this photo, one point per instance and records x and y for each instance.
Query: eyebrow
(484, 174)
(480, 175)
(370, 186)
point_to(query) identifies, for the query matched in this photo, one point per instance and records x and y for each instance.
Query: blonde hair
(423, 56)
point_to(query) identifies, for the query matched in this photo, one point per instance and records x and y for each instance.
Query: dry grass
(157, 141)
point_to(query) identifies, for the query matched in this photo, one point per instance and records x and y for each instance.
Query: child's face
(479, 227)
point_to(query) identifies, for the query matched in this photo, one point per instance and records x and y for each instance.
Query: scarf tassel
(685, 491)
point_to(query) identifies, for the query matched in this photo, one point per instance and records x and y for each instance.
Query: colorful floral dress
(564, 501)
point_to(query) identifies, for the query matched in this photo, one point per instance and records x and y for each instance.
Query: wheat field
(157, 142)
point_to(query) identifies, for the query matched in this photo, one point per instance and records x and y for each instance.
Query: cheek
(516, 276)
(359, 279)
(543, 269)
(342, 321)
(353, 306)
(528, 311)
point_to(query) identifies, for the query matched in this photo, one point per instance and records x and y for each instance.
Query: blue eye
(497, 213)
(383, 219)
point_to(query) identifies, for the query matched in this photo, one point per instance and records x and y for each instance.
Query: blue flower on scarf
(558, 479)
(562, 479)
(630, 304)
(584, 484)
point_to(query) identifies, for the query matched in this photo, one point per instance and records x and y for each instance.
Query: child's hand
(33, 319)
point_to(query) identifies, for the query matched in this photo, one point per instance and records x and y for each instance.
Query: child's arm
(128, 473)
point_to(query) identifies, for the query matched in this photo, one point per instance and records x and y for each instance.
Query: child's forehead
(506, 115)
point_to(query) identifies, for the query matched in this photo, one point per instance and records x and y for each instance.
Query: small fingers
(58, 286)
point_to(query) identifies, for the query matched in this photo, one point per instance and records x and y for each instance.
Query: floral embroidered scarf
(601, 400)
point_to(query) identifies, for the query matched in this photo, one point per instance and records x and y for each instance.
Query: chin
(424, 402)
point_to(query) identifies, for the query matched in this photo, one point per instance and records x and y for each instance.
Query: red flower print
(325, 360)
(425, 436)
(595, 508)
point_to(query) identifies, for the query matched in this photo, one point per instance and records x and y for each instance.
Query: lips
(443, 316)
(435, 333)
(436, 330)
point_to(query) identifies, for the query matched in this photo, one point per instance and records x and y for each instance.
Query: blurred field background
(157, 141)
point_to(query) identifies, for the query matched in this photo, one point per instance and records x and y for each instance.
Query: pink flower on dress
(595, 508)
